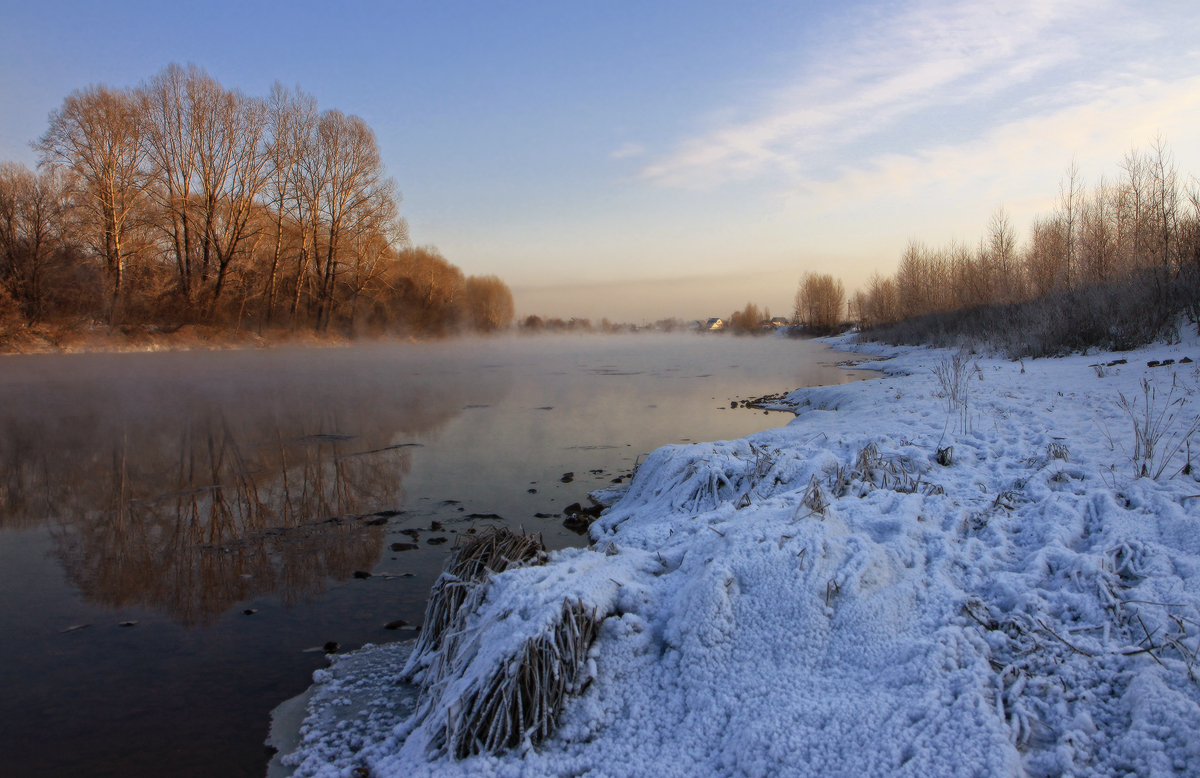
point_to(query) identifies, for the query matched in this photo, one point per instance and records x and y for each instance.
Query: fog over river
(177, 528)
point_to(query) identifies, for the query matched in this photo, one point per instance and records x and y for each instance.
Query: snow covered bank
(919, 575)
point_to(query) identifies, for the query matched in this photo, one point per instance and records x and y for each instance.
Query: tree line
(1143, 221)
(181, 201)
(1113, 265)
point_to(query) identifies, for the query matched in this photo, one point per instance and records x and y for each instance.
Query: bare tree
(291, 119)
(33, 232)
(819, 303)
(170, 106)
(1097, 238)
(1070, 190)
(746, 320)
(1133, 210)
(356, 193)
(1002, 248)
(239, 177)
(96, 135)
(1164, 202)
(488, 302)
(433, 287)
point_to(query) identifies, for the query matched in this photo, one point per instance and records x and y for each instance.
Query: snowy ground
(828, 599)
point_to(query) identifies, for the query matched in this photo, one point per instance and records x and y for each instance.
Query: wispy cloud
(1022, 158)
(628, 150)
(872, 76)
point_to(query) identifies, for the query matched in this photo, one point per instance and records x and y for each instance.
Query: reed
(518, 700)
(468, 569)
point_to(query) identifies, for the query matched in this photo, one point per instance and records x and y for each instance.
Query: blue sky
(640, 160)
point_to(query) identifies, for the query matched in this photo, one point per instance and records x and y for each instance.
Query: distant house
(779, 321)
(715, 324)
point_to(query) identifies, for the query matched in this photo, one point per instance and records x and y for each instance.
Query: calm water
(182, 490)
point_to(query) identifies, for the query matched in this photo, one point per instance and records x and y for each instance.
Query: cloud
(928, 59)
(1020, 159)
(628, 150)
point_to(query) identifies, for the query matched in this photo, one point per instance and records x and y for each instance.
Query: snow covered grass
(518, 699)
(875, 589)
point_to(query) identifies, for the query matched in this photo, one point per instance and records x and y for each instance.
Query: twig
(1064, 642)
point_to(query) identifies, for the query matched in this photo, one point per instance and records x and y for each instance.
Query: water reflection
(188, 494)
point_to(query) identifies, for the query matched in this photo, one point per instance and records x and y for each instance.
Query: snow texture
(905, 580)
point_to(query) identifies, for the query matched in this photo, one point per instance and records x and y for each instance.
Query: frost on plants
(1161, 428)
(516, 698)
(459, 589)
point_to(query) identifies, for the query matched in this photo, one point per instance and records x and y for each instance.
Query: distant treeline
(534, 324)
(180, 201)
(1114, 266)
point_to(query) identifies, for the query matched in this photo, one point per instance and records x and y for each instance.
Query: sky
(641, 160)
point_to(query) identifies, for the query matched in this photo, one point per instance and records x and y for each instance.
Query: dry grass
(472, 562)
(521, 701)
(1161, 428)
(517, 702)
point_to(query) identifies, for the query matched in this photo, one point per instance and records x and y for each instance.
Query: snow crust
(828, 599)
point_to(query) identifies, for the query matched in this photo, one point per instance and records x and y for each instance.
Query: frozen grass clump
(472, 700)
(520, 701)
(457, 592)
(1161, 427)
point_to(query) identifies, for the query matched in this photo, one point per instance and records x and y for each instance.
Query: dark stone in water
(486, 516)
(618, 479)
(250, 611)
(1185, 361)
(389, 514)
(377, 522)
(546, 515)
(733, 404)
(331, 647)
(397, 624)
(578, 523)
(404, 546)
(532, 491)
(1153, 363)
(567, 478)
(412, 533)
(361, 574)
(437, 541)
(126, 623)
(435, 526)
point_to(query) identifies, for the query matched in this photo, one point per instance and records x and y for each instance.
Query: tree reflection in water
(189, 505)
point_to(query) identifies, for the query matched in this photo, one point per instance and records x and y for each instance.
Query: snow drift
(954, 569)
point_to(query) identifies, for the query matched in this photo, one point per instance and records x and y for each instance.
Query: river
(182, 534)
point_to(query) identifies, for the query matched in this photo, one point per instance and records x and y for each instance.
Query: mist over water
(179, 490)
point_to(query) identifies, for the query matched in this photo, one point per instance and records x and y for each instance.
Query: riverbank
(101, 338)
(953, 569)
